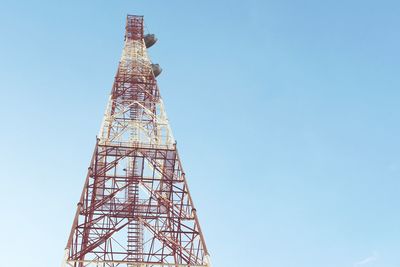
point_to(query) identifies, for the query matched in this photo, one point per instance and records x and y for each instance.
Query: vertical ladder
(135, 227)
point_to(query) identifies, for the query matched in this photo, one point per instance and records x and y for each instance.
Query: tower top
(134, 27)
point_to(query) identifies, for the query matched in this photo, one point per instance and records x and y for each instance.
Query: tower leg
(64, 262)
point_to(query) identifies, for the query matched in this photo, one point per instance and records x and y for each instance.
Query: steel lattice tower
(135, 208)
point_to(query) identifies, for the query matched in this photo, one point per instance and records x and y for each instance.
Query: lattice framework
(135, 208)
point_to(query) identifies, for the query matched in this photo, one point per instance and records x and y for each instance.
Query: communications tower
(135, 209)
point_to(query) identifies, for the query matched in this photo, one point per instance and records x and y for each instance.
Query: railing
(135, 144)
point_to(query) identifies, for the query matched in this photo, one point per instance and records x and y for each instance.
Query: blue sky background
(286, 115)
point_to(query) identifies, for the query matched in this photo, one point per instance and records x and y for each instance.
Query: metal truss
(135, 208)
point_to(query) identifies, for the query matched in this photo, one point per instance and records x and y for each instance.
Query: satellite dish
(156, 69)
(149, 40)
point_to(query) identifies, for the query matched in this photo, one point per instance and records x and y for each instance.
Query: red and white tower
(135, 208)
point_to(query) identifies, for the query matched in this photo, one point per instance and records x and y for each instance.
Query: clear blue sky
(286, 115)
